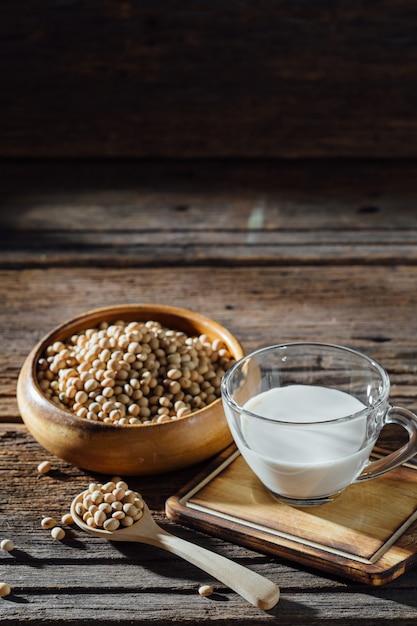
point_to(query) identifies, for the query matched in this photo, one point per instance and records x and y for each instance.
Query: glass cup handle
(406, 419)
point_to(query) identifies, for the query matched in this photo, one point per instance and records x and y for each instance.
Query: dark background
(208, 79)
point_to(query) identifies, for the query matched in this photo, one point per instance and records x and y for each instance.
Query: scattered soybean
(57, 533)
(205, 590)
(44, 467)
(48, 522)
(5, 590)
(67, 519)
(7, 545)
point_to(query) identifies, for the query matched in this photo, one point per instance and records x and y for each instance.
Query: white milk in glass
(314, 457)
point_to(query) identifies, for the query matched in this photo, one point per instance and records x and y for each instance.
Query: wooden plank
(295, 609)
(215, 247)
(109, 204)
(187, 79)
(207, 196)
(234, 213)
(192, 255)
(341, 305)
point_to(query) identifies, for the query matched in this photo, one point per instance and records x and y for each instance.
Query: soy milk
(307, 454)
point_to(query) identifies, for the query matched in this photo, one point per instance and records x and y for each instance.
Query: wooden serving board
(369, 533)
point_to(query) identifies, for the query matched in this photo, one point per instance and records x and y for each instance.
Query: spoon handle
(258, 590)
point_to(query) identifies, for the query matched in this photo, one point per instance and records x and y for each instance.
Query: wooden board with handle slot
(369, 533)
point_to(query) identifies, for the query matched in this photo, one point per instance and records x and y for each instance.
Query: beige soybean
(111, 524)
(133, 373)
(7, 545)
(205, 590)
(99, 517)
(5, 590)
(48, 522)
(57, 533)
(44, 467)
(67, 519)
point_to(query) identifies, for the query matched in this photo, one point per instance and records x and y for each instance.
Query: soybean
(44, 467)
(67, 519)
(48, 522)
(5, 590)
(58, 533)
(7, 545)
(205, 590)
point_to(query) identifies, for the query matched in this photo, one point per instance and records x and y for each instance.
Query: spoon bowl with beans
(106, 520)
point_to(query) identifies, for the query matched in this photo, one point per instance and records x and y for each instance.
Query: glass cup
(306, 416)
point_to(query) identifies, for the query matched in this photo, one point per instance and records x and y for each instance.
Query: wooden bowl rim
(118, 311)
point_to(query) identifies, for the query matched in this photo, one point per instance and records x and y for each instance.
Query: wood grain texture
(77, 235)
(148, 214)
(373, 312)
(191, 79)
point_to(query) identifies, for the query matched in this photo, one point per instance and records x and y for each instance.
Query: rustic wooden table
(274, 251)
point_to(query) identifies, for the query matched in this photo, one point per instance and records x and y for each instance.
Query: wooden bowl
(125, 449)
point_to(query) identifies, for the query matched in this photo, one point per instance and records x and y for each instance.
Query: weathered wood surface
(123, 214)
(164, 78)
(373, 311)
(355, 298)
(85, 579)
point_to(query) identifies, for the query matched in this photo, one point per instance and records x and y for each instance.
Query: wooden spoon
(255, 588)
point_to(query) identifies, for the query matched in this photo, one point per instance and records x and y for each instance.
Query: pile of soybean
(133, 372)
